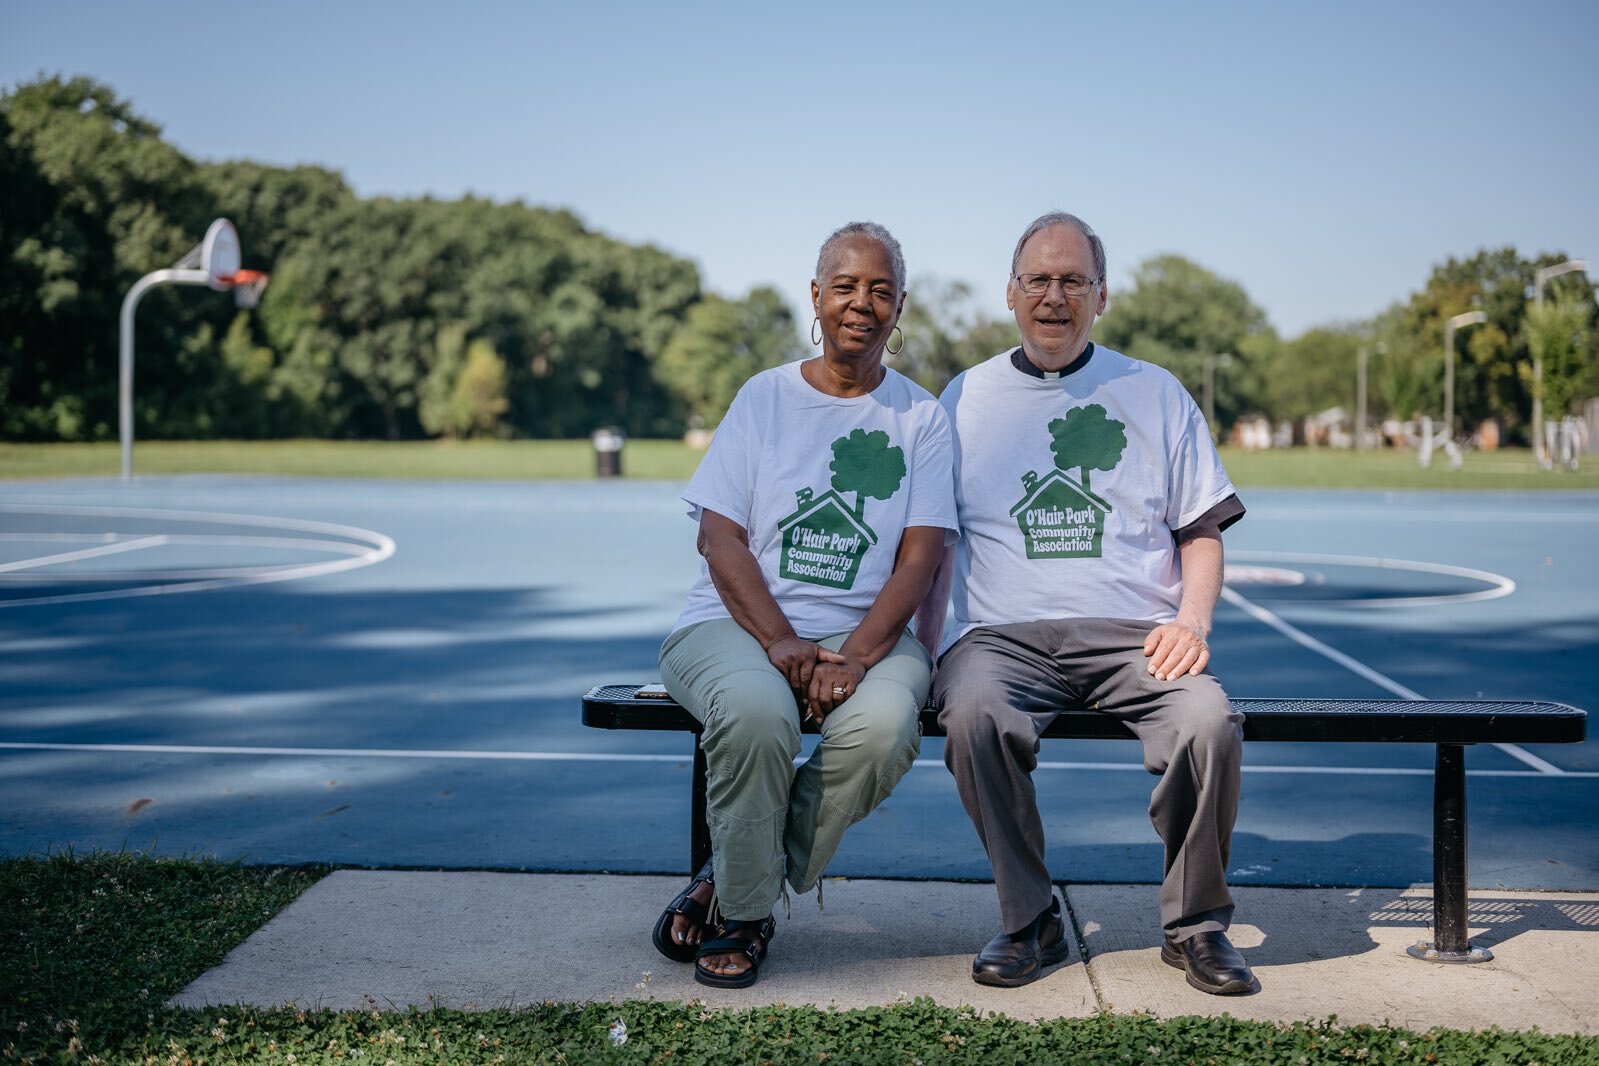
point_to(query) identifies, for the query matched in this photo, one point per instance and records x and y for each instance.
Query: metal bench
(1449, 725)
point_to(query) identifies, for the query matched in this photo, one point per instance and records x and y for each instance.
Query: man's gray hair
(1061, 218)
(863, 229)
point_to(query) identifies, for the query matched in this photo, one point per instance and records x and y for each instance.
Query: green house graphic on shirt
(1059, 518)
(823, 541)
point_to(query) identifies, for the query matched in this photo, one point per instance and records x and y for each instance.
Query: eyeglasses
(1070, 285)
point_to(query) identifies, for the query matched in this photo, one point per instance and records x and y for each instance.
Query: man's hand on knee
(1175, 649)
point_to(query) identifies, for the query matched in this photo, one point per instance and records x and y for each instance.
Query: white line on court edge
(84, 553)
(580, 756)
(1300, 637)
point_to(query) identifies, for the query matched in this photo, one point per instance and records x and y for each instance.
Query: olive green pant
(762, 812)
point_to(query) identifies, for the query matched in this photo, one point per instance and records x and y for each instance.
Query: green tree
(1311, 372)
(722, 344)
(94, 200)
(579, 318)
(274, 209)
(1487, 383)
(373, 285)
(1089, 439)
(1401, 383)
(946, 331)
(436, 391)
(1178, 314)
(865, 464)
(1561, 333)
(477, 400)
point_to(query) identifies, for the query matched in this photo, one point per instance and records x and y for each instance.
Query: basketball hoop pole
(213, 262)
(130, 302)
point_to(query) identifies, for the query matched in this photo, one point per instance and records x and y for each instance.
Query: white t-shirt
(824, 486)
(1069, 489)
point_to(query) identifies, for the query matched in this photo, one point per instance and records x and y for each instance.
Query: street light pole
(1222, 359)
(1539, 280)
(1360, 399)
(1468, 318)
(1360, 393)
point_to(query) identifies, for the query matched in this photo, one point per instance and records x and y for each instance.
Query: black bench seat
(1447, 724)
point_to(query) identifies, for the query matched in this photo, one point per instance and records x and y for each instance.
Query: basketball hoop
(247, 286)
(215, 262)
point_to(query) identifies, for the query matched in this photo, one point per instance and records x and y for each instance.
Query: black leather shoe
(1012, 959)
(1212, 963)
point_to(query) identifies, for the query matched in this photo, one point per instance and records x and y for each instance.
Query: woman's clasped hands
(820, 677)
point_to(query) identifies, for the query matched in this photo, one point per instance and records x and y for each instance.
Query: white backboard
(219, 253)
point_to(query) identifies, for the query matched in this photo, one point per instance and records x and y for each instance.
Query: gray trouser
(763, 813)
(998, 689)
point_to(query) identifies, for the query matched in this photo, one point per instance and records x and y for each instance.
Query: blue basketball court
(388, 674)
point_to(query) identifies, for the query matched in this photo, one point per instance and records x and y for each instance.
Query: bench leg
(699, 831)
(1449, 864)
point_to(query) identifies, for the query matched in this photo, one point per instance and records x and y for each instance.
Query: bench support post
(1449, 864)
(700, 830)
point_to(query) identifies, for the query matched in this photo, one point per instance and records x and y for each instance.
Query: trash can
(608, 451)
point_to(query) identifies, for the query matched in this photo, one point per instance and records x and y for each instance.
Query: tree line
(406, 318)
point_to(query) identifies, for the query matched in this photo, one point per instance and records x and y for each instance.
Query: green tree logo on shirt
(1061, 517)
(865, 464)
(825, 538)
(1088, 439)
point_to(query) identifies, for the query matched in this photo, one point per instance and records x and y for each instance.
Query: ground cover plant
(91, 947)
(671, 460)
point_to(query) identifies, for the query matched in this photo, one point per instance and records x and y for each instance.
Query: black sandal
(753, 950)
(688, 907)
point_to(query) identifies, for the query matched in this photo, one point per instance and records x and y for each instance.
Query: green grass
(1508, 468)
(673, 461)
(527, 460)
(90, 948)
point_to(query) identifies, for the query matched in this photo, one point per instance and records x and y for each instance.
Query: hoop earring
(815, 331)
(901, 348)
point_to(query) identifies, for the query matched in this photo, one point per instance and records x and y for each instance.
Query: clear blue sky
(1324, 155)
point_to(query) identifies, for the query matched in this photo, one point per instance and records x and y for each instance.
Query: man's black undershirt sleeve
(1213, 521)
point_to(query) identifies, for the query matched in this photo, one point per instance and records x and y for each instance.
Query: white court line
(1305, 640)
(582, 756)
(1498, 584)
(85, 553)
(374, 548)
(309, 544)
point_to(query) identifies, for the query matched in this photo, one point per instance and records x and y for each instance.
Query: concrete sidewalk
(480, 940)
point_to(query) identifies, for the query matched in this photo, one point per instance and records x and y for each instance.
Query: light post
(1539, 280)
(1467, 318)
(1360, 393)
(1221, 359)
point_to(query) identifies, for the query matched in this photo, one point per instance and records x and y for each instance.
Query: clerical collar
(1019, 360)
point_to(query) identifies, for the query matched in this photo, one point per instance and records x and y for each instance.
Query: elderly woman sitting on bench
(824, 503)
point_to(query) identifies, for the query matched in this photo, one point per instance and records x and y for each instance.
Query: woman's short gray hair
(863, 229)
(1061, 218)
